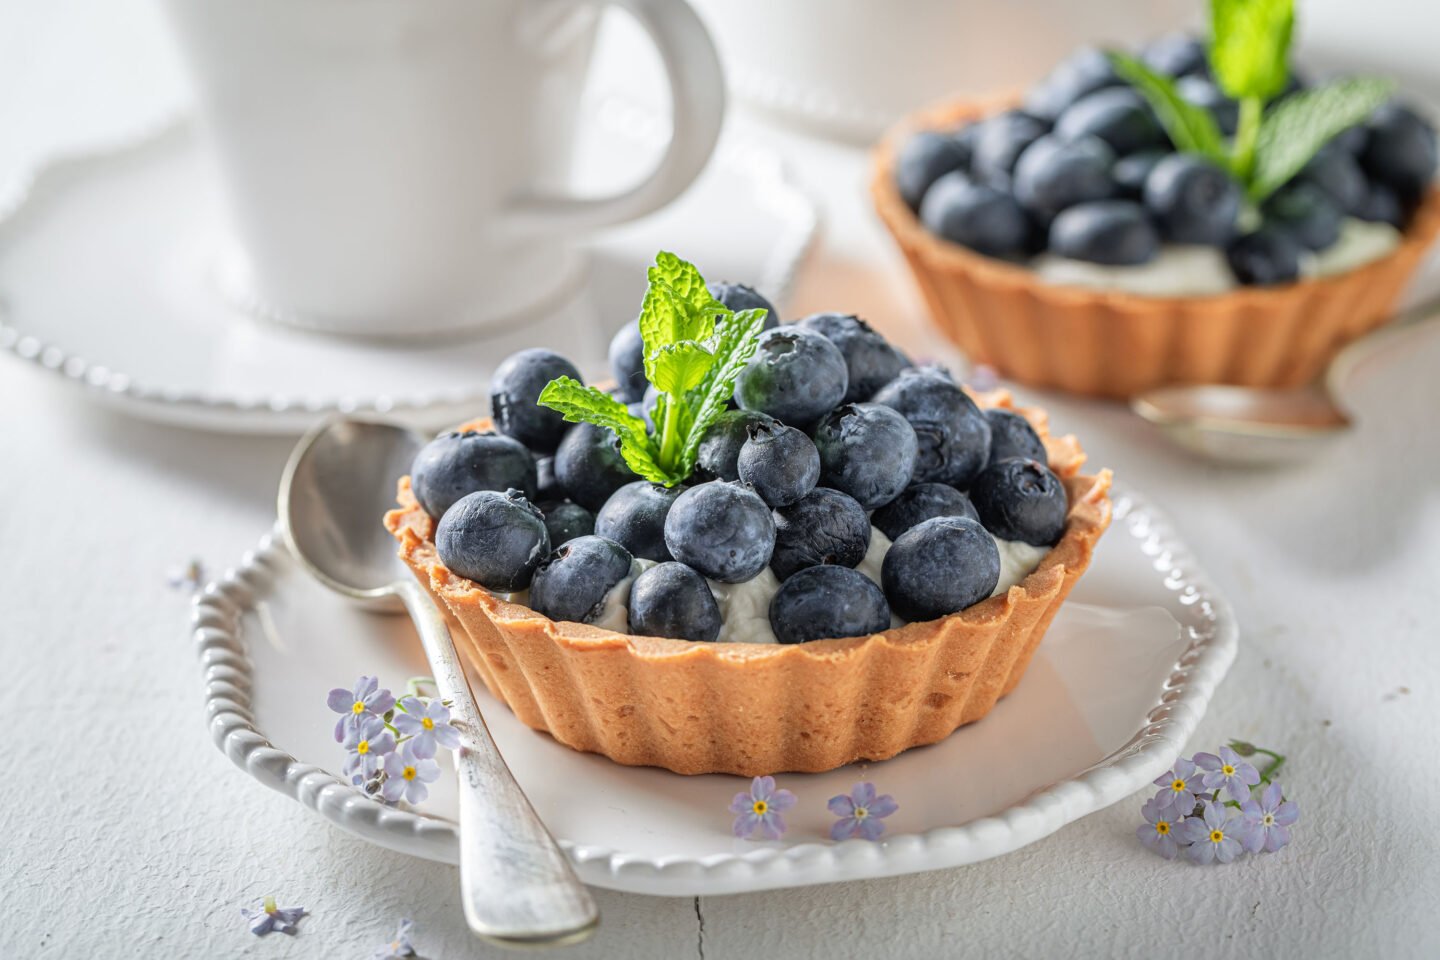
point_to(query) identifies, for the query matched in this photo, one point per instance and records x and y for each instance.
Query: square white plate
(1119, 683)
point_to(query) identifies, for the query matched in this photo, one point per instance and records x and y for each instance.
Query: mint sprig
(1249, 57)
(695, 348)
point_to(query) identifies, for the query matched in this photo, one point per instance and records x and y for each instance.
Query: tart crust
(755, 709)
(1116, 344)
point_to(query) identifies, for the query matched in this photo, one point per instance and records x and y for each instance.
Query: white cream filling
(745, 607)
(1197, 271)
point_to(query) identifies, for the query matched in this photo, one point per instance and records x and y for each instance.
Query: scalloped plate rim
(1149, 752)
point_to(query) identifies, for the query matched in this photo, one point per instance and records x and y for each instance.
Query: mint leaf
(733, 347)
(578, 403)
(679, 367)
(667, 318)
(1250, 46)
(1295, 129)
(1191, 127)
(685, 281)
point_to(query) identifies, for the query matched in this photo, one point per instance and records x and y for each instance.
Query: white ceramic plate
(108, 278)
(1118, 685)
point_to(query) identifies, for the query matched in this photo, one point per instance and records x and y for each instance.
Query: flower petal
(1207, 761)
(448, 737)
(1271, 797)
(863, 794)
(423, 745)
(1287, 813)
(427, 771)
(883, 806)
(406, 724)
(773, 826)
(782, 800)
(339, 700)
(1275, 838)
(843, 829)
(393, 788)
(741, 803)
(745, 824)
(762, 787)
(841, 805)
(870, 828)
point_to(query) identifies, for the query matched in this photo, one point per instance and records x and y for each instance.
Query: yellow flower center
(427, 723)
(1162, 828)
(1268, 819)
(1228, 770)
(408, 773)
(1217, 835)
(363, 747)
(861, 813)
(358, 707)
(760, 806)
(1177, 785)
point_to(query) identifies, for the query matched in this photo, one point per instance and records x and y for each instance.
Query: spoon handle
(517, 884)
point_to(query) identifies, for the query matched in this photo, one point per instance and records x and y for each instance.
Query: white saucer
(1119, 684)
(108, 278)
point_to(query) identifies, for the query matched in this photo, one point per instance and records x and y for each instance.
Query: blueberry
(672, 600)
(571, 583)
(795, 376)
(496, 539)
(1400, 150)
(719, 450)
(589, 467)
(939, 567)
(1012, 436)
(1338, 173)
(952, 435)
(1175, 55)
(724, 530)
(1306, 212)
(1204, 93)
(1115, 232)
(546, 486)
(1132, 170)
(516, 387)
(1119, 116)
(565, 521)
(867, 450)
(1053, 174)
(1382, 205)
(820, 603)
(1083, 72)
(454, 464)
(1267, 256)
(923, 159)
(634, 517)
(739, 297)
(921, 502)
(976, 216)
(1193, 200)
(870, 360)
(627, 363)
(780, 462)
(824, 526)
(1020, 499)
(999, 141)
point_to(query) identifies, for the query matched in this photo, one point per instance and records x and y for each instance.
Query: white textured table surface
(125, 833)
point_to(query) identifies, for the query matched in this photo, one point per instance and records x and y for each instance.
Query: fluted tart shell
(1115, 344)
(757, 709)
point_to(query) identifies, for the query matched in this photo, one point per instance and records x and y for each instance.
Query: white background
(123, 832)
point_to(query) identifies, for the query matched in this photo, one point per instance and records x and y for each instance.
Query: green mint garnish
(1249, 57)
(695, 348)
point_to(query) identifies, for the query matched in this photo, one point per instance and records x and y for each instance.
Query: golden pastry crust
(756, 709)
(1116, 344)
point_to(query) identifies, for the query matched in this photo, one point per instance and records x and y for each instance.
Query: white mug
(397, 167)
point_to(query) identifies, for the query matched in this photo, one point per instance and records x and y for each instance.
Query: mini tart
(755, 709)
(1115, 344)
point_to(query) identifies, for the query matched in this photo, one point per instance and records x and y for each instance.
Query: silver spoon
(517, 885)
(1255, 425)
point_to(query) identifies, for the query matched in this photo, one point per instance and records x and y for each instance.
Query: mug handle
(697, 96)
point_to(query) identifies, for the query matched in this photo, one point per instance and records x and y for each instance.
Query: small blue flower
(1181, 784)
(860, 813)
(1215, 836)
(427, 723)
(1228, 771)
(400, 948)
(367, 742)
(761, 809)
(1269, 820)
(1159, 830)
(268, 917)
(366, 698)
(406, 776)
